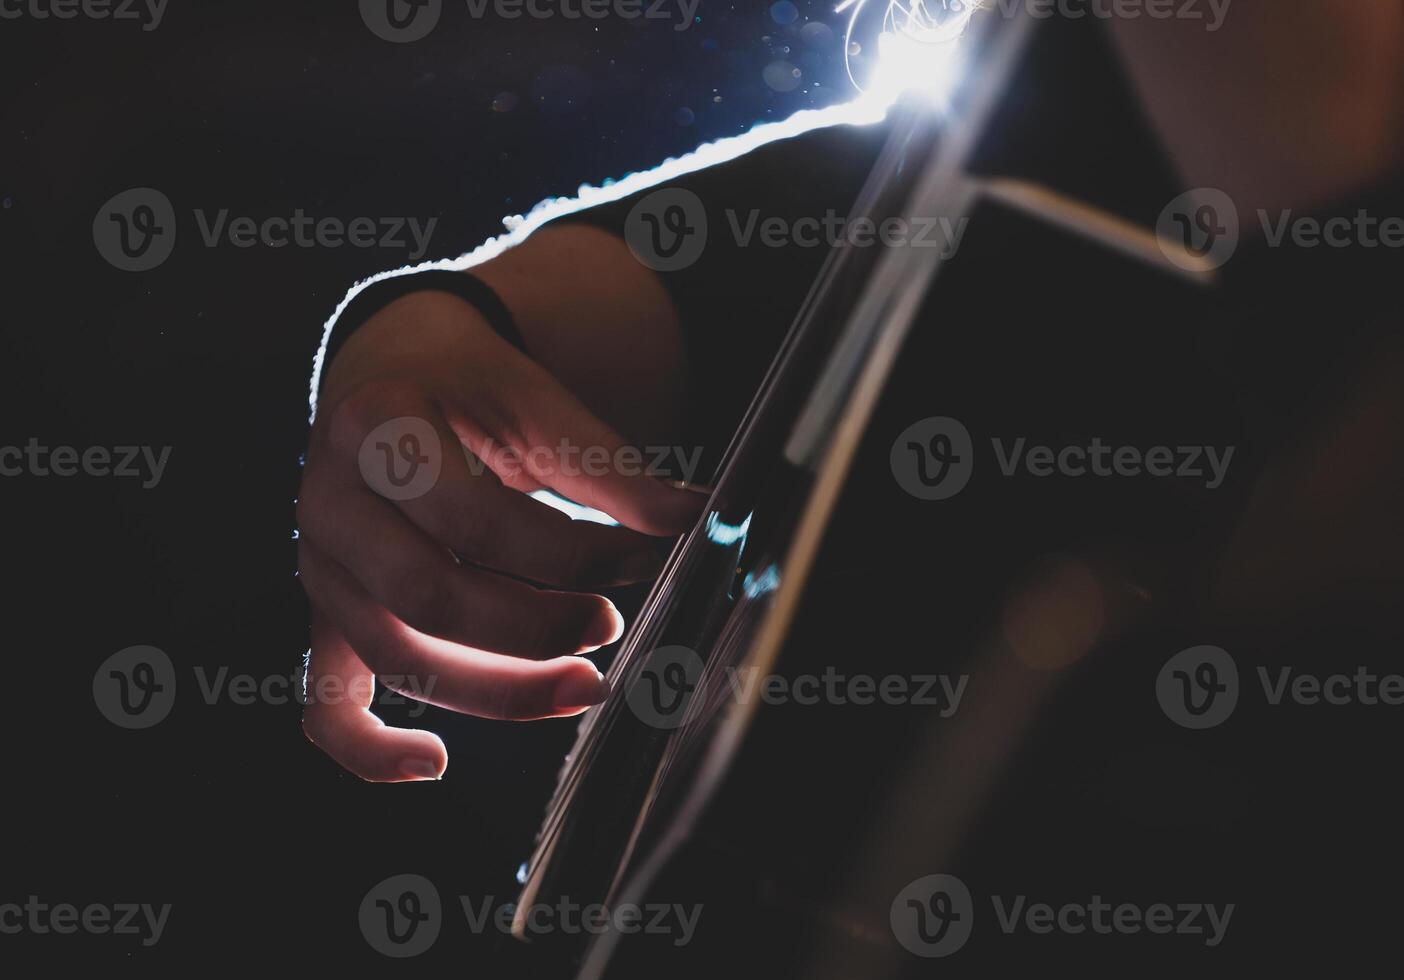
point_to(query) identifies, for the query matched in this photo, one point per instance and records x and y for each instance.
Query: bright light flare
(918, 46)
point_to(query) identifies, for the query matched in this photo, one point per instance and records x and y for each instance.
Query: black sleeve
(735, 289)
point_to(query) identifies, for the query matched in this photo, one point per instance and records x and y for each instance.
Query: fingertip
(672, 508)
(604, 628)
(418, 769)
(374, 751)
(580, 689)
(424, 757)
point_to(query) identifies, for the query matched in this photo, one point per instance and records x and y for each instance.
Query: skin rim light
(917, 50)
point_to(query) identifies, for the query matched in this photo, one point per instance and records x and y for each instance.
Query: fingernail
(580, 690)
(417, 768)
(606, 627)
(639, 567)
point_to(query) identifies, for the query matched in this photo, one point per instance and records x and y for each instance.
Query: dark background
(262, 845)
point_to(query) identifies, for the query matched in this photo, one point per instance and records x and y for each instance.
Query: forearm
(663, 358)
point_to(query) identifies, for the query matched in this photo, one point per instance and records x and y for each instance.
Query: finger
(438, 672)
(469, 509)
(419, 581)
(560, 444)
(338, 720)
(462, 502)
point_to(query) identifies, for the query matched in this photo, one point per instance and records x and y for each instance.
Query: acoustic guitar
(643, 786)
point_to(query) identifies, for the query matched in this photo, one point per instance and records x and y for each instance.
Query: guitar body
(846, 678)
(944, 698)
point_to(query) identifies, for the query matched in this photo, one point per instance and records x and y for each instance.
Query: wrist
(370, 301)
(430, 337)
